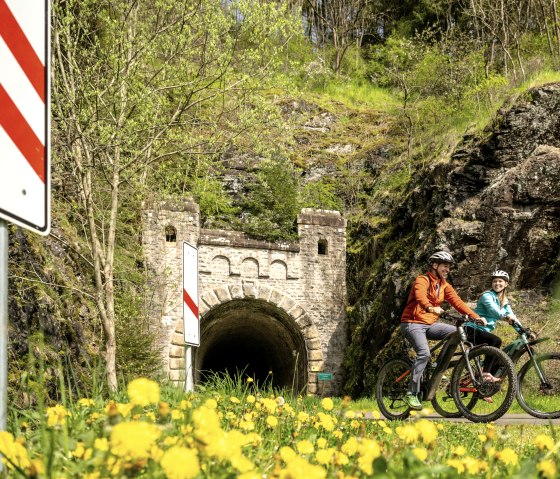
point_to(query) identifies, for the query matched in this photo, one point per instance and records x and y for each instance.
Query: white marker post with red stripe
(191, 323)
(24, 114)
(24, 140)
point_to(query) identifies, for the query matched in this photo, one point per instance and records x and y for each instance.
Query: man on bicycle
(419, 321)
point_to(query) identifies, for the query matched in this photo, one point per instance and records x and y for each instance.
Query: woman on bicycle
(494, 306)
(419, 321)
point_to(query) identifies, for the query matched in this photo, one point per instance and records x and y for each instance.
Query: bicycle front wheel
(391, 387)
(488, 393)
(539, 386)
(443, 401)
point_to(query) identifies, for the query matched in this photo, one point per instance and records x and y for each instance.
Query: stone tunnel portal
(252, 337)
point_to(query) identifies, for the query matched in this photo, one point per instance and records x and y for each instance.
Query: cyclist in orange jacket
(419, 321)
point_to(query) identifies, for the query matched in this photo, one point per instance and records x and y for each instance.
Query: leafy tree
(137, 83)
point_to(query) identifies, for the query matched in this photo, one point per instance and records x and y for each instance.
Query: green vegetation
(303, 106)
(234, 429)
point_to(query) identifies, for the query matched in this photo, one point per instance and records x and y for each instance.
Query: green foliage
(323, 194)
(271, 205)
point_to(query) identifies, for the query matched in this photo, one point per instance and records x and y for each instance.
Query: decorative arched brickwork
(249, 291)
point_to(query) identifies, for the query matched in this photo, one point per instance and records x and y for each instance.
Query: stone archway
(256, 329)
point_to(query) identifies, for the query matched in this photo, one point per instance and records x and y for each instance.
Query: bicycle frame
(519, 346)
(459, 339)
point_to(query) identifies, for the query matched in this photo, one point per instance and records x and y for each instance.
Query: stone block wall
(305, 280)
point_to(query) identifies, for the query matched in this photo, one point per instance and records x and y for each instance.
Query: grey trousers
(418, 335)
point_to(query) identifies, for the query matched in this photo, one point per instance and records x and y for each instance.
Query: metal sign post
(191, 323)
(3, 323)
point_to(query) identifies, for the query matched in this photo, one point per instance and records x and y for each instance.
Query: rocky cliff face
(496, 204)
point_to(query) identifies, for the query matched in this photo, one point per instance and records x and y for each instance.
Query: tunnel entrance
(253, 338)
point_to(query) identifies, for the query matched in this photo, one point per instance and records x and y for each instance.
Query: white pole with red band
(191, 323)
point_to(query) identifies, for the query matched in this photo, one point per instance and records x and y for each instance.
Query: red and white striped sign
(24, 114)
(190, 295)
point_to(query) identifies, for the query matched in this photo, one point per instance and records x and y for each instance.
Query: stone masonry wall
(305, 279)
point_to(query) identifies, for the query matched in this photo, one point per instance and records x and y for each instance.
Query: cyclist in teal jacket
(494, 305)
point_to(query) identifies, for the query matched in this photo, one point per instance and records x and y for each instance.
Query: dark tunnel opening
(255, 339)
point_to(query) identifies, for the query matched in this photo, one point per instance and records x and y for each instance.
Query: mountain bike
(463, 375)
(539, 377)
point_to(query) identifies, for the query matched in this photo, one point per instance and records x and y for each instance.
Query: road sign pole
(4, 242)
(189, 380)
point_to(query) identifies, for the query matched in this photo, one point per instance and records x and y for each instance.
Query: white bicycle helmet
(500, 274)
(441, 257)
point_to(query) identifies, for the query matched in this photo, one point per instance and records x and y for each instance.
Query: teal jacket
(488, 306)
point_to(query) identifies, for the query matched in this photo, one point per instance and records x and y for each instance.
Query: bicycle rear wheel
(540, 398)
(391, 387)
(492, 393)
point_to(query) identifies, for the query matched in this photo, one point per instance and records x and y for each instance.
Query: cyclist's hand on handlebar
(437, 310)
(481, 321)
(531, 335)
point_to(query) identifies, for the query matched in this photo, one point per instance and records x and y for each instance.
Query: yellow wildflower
(304, 447)
(84, 402)
(79, 451)
(287, 453)
(250, 380)
(508, 456)
(133, 439)
(298, 467)
(327, 404)
(247, 425)
(482, 438)
(547, 467)
(56, 415)
(427, 430)
(164, 409)
(325, 421)
(269, 404)
(234, 400)
(143, 392)
(458, 450)
(13, 453)
(322, 442)
(184, 405)
(101, 444)
(180, 463)
(408, 433)
(324, 456)
(350, 447)
(354, 424)
(420, 452)
(211, 404)
(250, 399)
(177, 415)
(542, 441)
(457, 464)
(474, 466)
(340, 459)
(303, 416)
(250, 475)
(241, 463)
(91, 475)
(272, 421)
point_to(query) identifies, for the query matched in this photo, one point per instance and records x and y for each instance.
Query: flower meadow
(242, 432)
